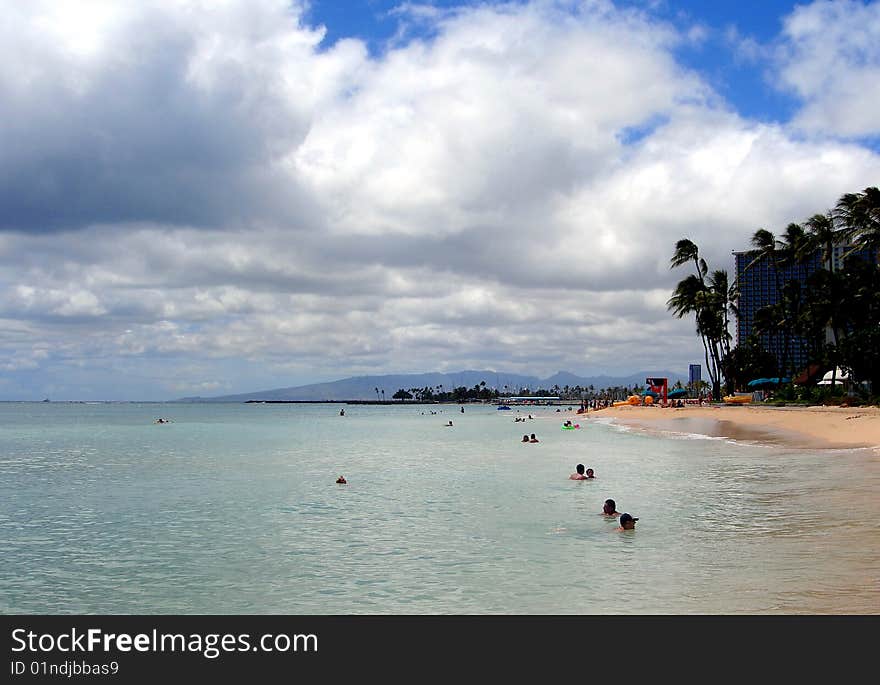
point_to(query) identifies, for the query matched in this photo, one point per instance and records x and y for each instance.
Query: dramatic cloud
(203, 197)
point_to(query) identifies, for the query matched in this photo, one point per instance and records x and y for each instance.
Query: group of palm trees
(481, 392)
(833, 314)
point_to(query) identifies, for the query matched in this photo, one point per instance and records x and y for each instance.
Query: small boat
(738, 398)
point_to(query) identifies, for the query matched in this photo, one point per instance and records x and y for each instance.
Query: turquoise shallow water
(233, 509)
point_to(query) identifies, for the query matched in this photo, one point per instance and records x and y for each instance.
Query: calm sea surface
(233, 509)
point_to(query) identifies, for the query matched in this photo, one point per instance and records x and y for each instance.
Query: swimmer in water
(449, 424)
(590, 473)
(610, 508)
(341, 480)
(533, 438)
(525, 438)
(627, 522)
(579, 474)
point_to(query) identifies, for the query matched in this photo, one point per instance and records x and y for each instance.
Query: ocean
(233, 508)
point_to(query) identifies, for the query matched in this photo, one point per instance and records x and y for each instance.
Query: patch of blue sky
(378, 23)
(633, 135)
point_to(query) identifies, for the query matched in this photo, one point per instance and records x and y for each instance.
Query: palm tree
(859, 214)
(823, 233)
(685, 251)
(708, 301)
(772, 250)
(690, 297)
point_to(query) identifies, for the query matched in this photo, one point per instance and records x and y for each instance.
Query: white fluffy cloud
(830, 57)
(202, 195)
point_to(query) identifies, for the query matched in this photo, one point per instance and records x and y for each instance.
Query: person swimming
(579, 473)
(341, 480)
(627, 522)
(448, 425)
(590, 473)
(525, 438)
(532, 438)
(610, 508)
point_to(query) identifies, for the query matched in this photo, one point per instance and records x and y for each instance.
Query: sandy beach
(818, 427)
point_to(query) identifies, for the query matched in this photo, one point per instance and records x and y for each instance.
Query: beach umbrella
(677, 393)
(651, 393)
(764, 382)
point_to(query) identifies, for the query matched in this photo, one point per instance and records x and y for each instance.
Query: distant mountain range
(364, 387)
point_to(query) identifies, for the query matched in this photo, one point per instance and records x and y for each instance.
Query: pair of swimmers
(526, 438)
(580, 475)
(627, 522)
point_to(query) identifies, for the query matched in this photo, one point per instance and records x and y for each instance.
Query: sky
(206, 197)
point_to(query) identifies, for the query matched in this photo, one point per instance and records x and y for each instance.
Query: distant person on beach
(525, 438)
(627, 522)
(532, 438)
(590, 473)
(579, 473)
(610, 508)
(341, 480)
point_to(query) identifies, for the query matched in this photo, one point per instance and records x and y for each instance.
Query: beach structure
(838, 377)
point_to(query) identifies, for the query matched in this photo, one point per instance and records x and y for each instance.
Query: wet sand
(816, 427)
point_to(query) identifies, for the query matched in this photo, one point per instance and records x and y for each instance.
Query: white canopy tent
(839, 377)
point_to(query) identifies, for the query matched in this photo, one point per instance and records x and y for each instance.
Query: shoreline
(803, 427)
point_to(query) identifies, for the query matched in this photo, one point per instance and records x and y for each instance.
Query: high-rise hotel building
(758, 288)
